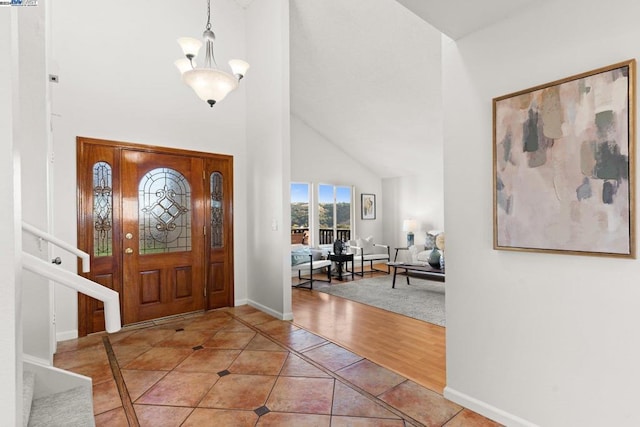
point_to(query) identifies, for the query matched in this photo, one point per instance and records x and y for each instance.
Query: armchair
(306, 260)
(364, 250)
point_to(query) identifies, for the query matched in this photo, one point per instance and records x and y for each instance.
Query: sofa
(422, 254)
(307, 261)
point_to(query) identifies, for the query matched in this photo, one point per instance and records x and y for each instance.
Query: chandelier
(208, 82)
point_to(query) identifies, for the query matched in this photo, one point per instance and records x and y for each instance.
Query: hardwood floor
(410, 347)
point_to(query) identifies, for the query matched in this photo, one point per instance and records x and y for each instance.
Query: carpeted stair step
(71, 408)
(28, 385)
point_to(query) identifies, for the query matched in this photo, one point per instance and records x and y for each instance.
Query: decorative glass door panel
(102, 209)
(164, 203)
(216, 187)
(220, 261)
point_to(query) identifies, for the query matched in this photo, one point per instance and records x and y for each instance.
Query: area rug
(422, 299)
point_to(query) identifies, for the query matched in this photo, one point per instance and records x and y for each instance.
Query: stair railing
(61, 244)
(109, 297)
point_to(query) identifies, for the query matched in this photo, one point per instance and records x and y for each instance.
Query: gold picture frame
(564, 165)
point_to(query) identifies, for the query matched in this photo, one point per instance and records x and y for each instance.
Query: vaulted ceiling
(458, 18)
(366, 74)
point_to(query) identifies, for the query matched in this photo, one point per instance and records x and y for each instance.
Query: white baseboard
(66, 335)
(267, 310)
(287, 316)
(485, 409)
(35, 360)
(240, 302)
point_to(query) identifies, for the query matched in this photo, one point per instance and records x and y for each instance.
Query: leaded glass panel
(164, 197)
(102, 210)
(217, 217)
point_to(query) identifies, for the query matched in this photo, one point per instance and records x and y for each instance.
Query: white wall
(33, 146)
(118, 82)
(317, 160)
(418, 197)
(533, 338)
(10, 296)
(268, 140)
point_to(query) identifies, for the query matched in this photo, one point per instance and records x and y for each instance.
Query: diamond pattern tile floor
(241, 367)
(332, 357)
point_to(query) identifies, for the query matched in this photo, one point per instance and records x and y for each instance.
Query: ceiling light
(208, 82)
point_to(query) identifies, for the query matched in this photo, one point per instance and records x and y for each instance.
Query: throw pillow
(366, 245)
(300, 256)
(440, 241)
(430, 243)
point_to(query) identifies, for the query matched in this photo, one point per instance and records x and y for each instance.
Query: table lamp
(409, 225)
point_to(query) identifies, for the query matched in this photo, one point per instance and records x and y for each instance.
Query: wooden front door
(163, 227)
(158, 224)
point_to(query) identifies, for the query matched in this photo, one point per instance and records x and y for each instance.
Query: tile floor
(242, 367)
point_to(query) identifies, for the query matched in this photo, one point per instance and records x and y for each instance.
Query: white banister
(60, 243)
(108, 296)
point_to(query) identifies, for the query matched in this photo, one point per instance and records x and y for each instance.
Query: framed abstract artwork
(368, 206)
(564, 165)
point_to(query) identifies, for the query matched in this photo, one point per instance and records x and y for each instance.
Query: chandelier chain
(208, 14)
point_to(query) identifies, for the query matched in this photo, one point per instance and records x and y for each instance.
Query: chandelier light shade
(239, 67)
(211, 84)
(190, 46)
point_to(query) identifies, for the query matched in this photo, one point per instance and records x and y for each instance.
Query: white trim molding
(276, 314)
(485, 409)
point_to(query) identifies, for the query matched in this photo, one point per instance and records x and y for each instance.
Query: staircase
(53, 397)
(28, 385)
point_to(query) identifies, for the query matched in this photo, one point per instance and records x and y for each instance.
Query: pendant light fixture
(208, 82)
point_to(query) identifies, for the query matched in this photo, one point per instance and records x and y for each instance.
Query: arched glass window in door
(217, 214)
(102, 210)
(164, 203)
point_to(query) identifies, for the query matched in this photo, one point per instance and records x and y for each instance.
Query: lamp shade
(409, 225)
(190, 46)
(239, 67)
(209, 84)
(184, 65)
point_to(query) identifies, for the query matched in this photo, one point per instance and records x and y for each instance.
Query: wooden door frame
(83, 206)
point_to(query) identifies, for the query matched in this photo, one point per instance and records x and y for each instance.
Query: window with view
(300, 213)
(334, 213)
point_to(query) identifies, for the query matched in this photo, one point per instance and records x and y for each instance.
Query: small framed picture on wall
(368, 206)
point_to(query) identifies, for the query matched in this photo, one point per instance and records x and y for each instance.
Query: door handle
(128, 251)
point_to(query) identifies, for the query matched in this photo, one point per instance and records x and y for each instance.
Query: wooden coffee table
(425, 269)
